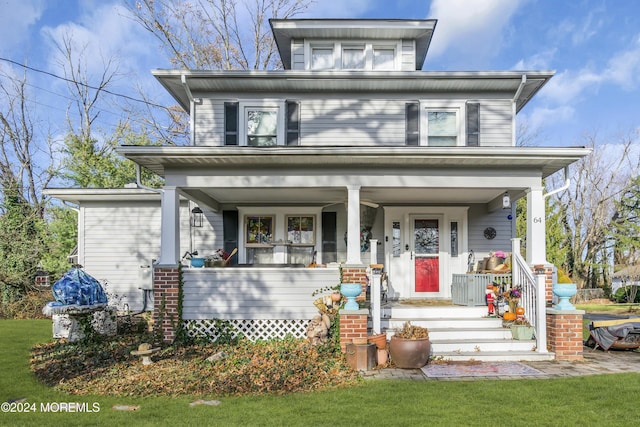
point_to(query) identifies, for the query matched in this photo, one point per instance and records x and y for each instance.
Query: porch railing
(533, 295)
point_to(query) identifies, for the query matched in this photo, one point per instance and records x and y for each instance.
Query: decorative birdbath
(145, 351)
(564, 291)
(351, 291)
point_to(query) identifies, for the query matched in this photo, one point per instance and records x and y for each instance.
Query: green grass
(622, 309)
(594, 400)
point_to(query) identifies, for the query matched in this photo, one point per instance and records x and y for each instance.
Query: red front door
(426, 242)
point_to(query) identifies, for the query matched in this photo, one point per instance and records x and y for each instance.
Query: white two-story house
(355, 139)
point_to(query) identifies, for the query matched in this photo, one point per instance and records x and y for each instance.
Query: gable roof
(285, 30)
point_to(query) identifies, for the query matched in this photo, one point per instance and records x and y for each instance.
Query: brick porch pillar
(353, 324)
(166, 287)
(356, 275)
(547, 270)
(564, 333)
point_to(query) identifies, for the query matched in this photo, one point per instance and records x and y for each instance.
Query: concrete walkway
(595, 362)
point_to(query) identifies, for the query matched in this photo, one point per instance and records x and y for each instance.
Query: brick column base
(166, 288)
(356, 275)
(564, 333)
(353, 324)
(547, 270)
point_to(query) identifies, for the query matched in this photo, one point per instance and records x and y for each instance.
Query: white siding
(118, 237)
(209, 122)
(352, 122)
(254, 293)
(496, 123)
(479, 219)
(297, 54)
(408, 56)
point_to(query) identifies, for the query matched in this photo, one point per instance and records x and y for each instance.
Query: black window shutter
(473, 124)
(293, 123)
(230, 232)
(230, 123)
(412, 116)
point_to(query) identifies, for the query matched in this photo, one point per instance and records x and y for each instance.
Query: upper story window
(262, 126)
(442, 128)
(327, 55)
(384, 58)
(262, 123)
(322, 58)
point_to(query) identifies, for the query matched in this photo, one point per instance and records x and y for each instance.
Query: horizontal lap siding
(496, 123)
(408, 56)
(209, 122)
(479, 219)
(253, 293)
(297, 55)
(352, 122)
(118, 239)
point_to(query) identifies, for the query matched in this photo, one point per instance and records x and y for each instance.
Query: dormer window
(325, 55)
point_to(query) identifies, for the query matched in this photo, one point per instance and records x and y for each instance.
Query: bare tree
(216, 34)
(598, 182)
(26, 158)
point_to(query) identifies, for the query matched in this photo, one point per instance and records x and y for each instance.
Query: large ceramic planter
(409, 354)
(564, 291)
(351, 291)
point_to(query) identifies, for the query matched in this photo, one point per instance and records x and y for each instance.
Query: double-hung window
(262, 126)
(442, 128)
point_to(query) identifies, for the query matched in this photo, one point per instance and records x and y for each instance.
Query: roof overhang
(206, 83)
(285, 30)
(546, 160)
(80, 195)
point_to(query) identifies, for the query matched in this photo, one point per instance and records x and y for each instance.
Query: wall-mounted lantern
(196, 217)
(506, 201)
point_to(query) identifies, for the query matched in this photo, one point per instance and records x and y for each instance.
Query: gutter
(142, 186)
(192, 109)
(567, 182)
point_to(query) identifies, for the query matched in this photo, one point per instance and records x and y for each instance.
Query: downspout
(192, 106)
(567, 182)
(142, 186)
(514, 101)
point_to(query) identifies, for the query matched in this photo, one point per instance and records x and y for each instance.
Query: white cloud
(623, 68)
(475, 29)
(16, 19)
(544, 117)
(539, 61)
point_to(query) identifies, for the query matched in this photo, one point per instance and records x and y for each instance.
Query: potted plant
(410, 347)
(522, 330)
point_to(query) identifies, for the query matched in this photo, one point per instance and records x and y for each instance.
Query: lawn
(594, 400)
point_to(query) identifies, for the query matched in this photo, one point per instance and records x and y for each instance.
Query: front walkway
(595, 363)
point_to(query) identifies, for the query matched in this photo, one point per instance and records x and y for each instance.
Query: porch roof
(546, 160)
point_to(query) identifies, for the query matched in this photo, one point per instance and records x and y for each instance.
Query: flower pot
(409, 354)
(522, 332)
(564, 291)
(351, 291)
(197, 262)
(380, 340)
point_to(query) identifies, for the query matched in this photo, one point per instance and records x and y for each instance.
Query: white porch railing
(533, 295)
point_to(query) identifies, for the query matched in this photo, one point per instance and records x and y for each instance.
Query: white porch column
(353, 225)
(170, 227)
(536, 229)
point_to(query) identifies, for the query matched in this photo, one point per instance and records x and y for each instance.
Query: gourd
(520, 311)
(509, 316)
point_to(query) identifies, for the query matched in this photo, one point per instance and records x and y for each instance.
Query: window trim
(339, 45)
(313, 232)
(258, 104)
(441, 106)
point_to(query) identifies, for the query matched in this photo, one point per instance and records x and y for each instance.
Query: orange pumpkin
(520, 311)
(509, 316)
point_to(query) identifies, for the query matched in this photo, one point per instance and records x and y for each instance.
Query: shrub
(627, 294)
(29, 306)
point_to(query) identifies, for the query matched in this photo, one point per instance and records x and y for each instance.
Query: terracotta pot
(380, 340)
(409, 354)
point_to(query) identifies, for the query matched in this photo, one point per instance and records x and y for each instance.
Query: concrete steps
(460, 333)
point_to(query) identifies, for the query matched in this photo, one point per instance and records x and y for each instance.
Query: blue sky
(593, 45)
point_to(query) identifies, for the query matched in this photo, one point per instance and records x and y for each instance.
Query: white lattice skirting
(261, 329)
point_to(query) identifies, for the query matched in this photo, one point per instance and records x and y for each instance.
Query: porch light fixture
(506, 201)
(196, 217)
